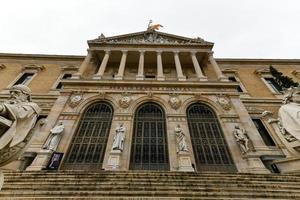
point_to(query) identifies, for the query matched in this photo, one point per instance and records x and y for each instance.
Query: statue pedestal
(1, 179)
(255, 164)
(114, 160)
(184, 162)
(41, 160)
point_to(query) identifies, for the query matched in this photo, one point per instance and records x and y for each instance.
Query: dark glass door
(149, 150)
(210, 148)
(89, 143)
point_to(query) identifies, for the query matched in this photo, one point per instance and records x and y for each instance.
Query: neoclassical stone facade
(149, 83)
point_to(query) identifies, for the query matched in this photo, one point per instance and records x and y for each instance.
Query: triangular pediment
(150, 37)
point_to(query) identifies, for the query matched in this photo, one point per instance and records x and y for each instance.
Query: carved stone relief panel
(224, 102)
(174, 101)
(75, 99)
(125, 100)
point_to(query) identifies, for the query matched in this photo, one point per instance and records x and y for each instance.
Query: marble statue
(54, 138)
(18, 116)
(181, 142)
(118, 143)
(289, 113)
(241, 138)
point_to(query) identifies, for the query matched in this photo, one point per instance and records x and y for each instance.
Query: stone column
(84, 65)
(140, 75)
(216, 67)
(120, 74)
(178, 67)
(102, 67)
(160, 73)
(197, 67)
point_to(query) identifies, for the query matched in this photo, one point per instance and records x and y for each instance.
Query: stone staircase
(148, 185)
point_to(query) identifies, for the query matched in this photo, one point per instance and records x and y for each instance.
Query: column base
(97, 77)
(118, 77)
(255, 165)
(1, 179)
(181, 78)
(114, 160)
(41, 160)
(139, 77)
(203, 78)
(185, 164)
(161, 78)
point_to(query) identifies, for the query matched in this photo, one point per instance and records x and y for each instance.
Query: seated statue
(289, 113)
(18, 117)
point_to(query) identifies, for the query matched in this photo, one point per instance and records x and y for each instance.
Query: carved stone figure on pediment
(289, 114)
(54, 138)
(18, 116)
(174, 101)
(125, 100)
(241, 138)
(224, 102)
(75, 100)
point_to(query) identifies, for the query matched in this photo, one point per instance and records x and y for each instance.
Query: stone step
(176, 176)
(149, 179)
(88, 185)
(216, 194)
(137, 187)
(191, 183)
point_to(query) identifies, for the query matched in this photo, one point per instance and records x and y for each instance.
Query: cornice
(41, 56)
(256, 61)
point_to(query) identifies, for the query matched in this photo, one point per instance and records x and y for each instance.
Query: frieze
(151, 37)
(143, 88)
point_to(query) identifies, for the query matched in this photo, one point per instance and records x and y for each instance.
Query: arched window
(210, 148)
(149, 150)
(89, 143)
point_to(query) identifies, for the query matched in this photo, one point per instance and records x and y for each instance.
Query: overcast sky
(239, 28)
